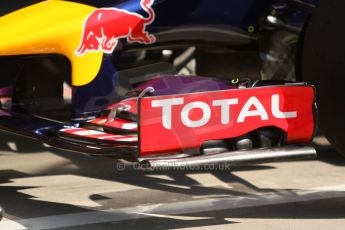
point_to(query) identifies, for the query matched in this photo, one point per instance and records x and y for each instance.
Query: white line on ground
(171, 210)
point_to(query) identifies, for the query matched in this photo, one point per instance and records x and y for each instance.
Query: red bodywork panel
(191, 119)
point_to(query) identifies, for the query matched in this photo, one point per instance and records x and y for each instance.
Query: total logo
(252, 107)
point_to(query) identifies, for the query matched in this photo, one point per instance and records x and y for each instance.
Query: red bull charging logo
(105, 26)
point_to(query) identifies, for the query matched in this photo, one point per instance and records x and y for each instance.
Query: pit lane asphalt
(45, 188)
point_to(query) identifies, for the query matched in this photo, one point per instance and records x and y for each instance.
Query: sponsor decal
(252, 107)
(185, 121)
(105, 26)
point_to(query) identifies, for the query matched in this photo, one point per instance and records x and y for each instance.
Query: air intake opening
(38, 85)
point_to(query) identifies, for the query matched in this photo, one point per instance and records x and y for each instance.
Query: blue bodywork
(242, 16)
(92, 98)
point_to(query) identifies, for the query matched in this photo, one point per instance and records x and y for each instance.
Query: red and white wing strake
(98, 135)
(118, 123)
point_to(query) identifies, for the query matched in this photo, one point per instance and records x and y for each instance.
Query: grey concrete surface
(45, 188)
